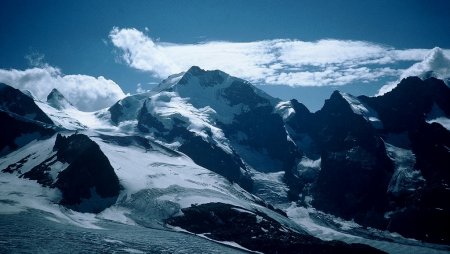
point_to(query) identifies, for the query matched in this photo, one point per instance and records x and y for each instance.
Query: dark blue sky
(72, 34)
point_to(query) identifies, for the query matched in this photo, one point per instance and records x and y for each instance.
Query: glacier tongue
(405, 178)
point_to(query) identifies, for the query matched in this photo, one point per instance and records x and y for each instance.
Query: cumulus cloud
(87, 93)
(436, 63)
(284, 62)
(141, 52)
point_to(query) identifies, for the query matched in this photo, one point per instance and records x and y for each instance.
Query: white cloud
(331, 76)
(35, 59)
(435, 60)
(140, 89)
(141, 52)
(326, 52)
(87, 93)
(284, 62)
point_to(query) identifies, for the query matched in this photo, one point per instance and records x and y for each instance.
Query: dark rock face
(241, 91)
(428, 207)
(264, 132)
(115, 111)
(336, 127)
(355, 169)
(204, 153)
(405, 107)
(262, 128)
(127, 108)
(430, 143)
(215, 159)
(146, 121)
(16, 131)
(255, 231)
(404, 110)
(15, 167)
(14, 101)
(88, 174)
(57, 100)
(206, 78)
(302, 118)
(21, 120)
(352, 189)
(41, 172)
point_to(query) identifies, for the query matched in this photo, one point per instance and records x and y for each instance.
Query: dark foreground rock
(89, 183)
(255, 231)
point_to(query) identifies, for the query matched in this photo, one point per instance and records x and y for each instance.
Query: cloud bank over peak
(85, 92)
(436, 61)
(278, 62)
(435, 64)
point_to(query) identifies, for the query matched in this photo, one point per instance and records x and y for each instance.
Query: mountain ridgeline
(360, 142)
(355, 139)
(383, 162)
(21, 120)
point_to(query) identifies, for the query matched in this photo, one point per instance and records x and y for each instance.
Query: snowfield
(157, 181)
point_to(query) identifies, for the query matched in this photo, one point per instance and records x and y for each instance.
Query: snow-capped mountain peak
(222, 95)
(29, 94)
(205, 77)
(193, 76)
(57, 100)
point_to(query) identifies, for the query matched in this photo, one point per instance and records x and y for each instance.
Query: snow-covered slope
(142, 166)
(66, 116)
(225, 95)
(204, 141)
(211, 112)
(159, 181)
(364, 110)
(71, 118)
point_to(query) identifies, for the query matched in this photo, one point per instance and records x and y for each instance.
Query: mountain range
(212, 155)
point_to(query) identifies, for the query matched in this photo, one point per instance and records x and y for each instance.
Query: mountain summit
(57, 100)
